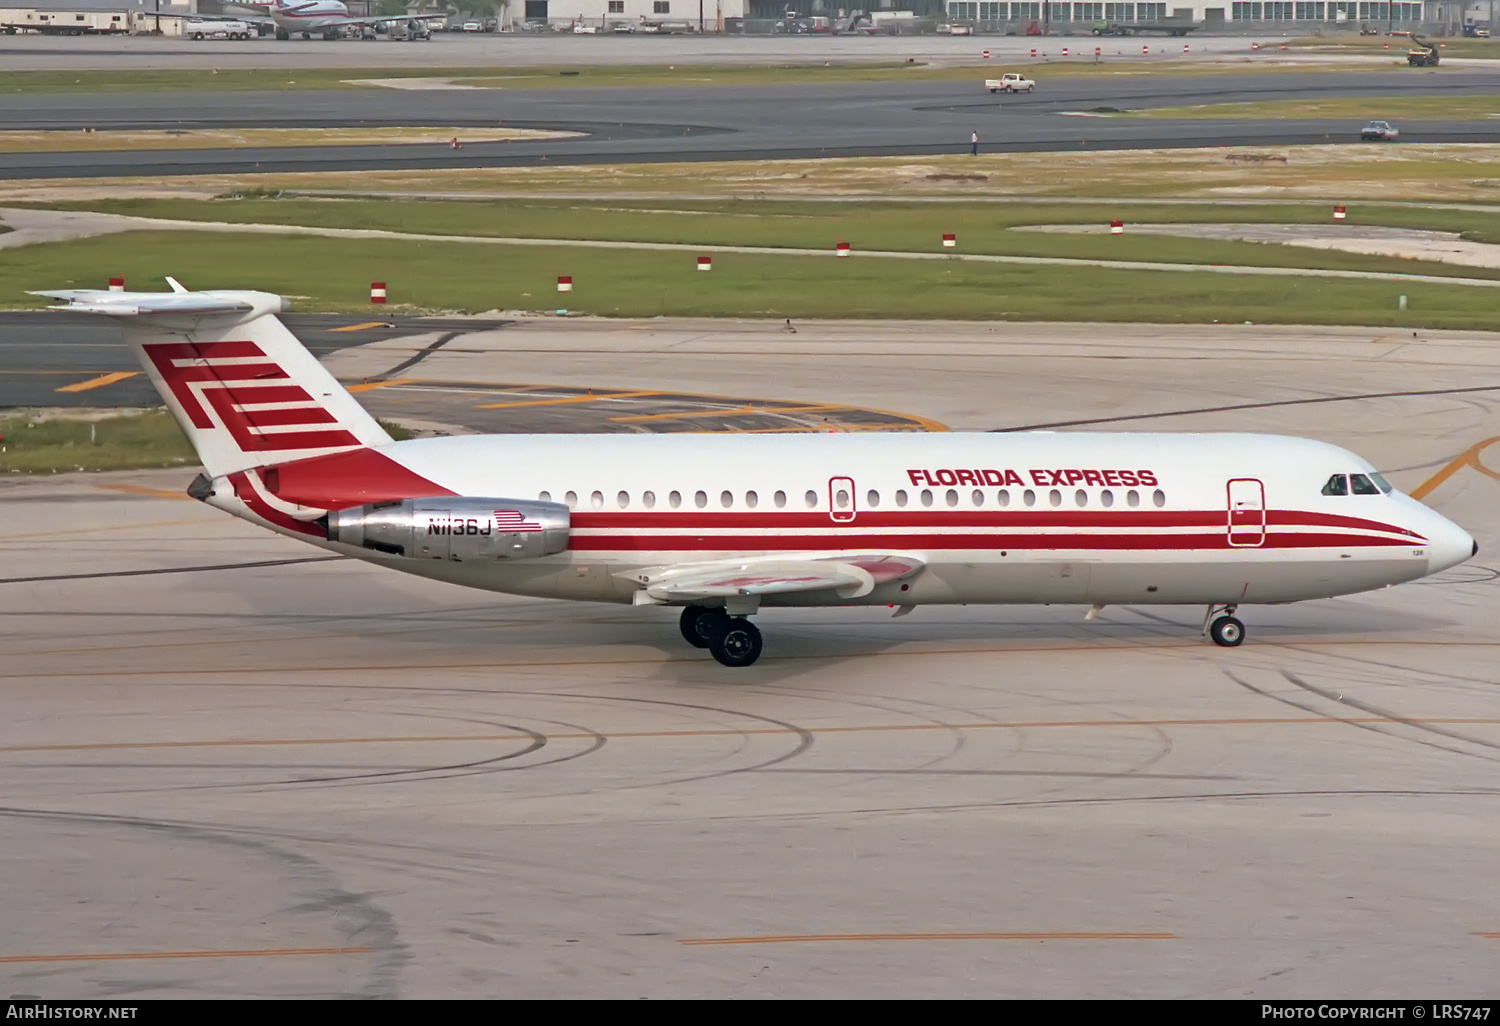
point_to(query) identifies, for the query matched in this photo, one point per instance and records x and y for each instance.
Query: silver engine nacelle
(461, 530)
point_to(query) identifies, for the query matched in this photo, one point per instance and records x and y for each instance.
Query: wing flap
(850, 576)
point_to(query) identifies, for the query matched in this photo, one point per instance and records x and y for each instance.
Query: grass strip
(40, 445)
(1168, 61)
(1358, 109)
(441, 276)
(890, 226)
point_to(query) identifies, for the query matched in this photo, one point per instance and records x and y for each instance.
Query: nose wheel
(1222, 627)
(732, 640)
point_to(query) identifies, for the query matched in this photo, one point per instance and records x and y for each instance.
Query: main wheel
(736, 643)
(699, 623)
(1226, 631)
(283, 35)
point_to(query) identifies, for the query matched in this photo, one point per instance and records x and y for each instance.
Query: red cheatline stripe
(937, 516)
(249, 493)
(1018, 543)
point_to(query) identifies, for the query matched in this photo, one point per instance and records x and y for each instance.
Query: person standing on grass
(974, 144)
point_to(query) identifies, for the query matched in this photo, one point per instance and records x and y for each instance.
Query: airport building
(1251, 15)
(89, 17)
(629, 15)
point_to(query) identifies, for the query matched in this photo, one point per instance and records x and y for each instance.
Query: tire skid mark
(367, 925)
(1374, 728)
(1386, 714)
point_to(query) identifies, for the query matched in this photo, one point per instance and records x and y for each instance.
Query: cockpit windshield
(1357, 484)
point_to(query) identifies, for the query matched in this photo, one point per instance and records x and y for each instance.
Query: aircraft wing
(375, 18)
(850, 576)
(248, 19)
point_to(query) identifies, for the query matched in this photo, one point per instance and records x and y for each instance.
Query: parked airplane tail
(246, 392)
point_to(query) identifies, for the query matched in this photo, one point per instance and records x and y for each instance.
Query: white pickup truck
(1010, 82)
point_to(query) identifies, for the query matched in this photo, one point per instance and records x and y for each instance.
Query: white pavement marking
(1368, 240)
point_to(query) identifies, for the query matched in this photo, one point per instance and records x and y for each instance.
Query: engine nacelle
(461, 530)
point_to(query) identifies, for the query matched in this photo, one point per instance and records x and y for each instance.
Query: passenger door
(1247, 512)
(841, 505)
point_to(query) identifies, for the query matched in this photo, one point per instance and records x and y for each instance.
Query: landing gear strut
(732, 640)
(1220, 625)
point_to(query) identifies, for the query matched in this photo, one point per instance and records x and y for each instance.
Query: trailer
(70, 23)
(1166, 26)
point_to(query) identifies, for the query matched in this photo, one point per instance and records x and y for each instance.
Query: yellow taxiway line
(836, 938)
(99, 382)
(589, 398)
(370, 386)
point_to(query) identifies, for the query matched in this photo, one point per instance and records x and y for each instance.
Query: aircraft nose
(1449, 545)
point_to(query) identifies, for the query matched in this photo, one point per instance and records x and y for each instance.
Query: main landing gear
(732, 640)
(1220, 624)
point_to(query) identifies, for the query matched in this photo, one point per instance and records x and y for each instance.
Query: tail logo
(253, 398)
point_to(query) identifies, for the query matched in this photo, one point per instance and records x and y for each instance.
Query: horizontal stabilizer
(851, 576)
(145, 304)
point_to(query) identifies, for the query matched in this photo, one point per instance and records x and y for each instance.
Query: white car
(473, 26)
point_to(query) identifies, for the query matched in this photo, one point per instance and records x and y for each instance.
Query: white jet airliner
(724, 524)
(324, 17)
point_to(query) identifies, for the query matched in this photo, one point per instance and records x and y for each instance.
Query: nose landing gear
(1220, 625)
(732, 640)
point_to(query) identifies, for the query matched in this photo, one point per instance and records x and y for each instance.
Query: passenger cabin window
(1029, 497)
(726, 499)
(648, 499)
(1106, 498)
(901, 497)
(873, 498)
(977, 497)
(927, 496)
(1055, 497)
(1132, 498)
(571, 499)
(780, 499)
(751, 499)
(1361, 485)
(622, 500)
(1338, 484)
(544, 496)
(674, 499)
(1081, 498)
(700, 499)
(1003, 497)
(1158, 498)
(811, 498)
(597, 500)
(952, 497)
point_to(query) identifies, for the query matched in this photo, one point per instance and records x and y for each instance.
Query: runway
(633, 125)
(321, 779)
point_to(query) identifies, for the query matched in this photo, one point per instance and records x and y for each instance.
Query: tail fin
(244, 390)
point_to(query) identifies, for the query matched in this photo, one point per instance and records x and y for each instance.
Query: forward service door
(1247, 512)
(841, 506)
